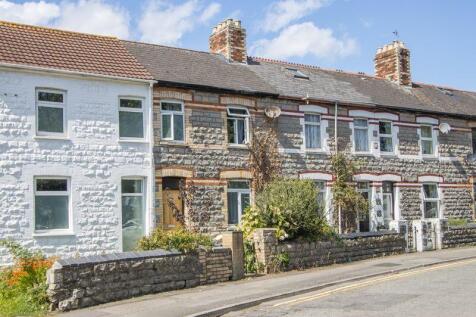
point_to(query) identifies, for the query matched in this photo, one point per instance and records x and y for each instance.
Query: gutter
(74, 73)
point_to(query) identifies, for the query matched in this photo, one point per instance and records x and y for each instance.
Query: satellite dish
(444, 128)
(272, 112)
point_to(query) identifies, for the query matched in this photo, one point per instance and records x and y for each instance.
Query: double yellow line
(369, 282)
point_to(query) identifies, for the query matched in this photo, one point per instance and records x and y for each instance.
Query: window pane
(385, 127)
(131, 124)
(387, 206)
(473, 138)
(245, 202)
(131, 186)
(426, 147)
(51, 185)
(313, 136)
(312, 118)
(430, 190)
(361, 140)
(132, 221)
(170, 106)
(426, 131)
(241, 131)
(386, 144)
(131, 103)
(387, 187)
(241, 112)
(50, 119)
(431, 209)
(178, 127)
(51, 212)
(320, 185)
(50, 96)
(166, 126)
(232, 208)
(360, 123)
(362, 185)
(231, 131)
(239, 184)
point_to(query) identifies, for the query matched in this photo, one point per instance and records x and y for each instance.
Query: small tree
(348, 203)
(265, 161)
(195, 212)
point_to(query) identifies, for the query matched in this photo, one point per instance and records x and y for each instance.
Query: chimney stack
(392, 62)
(228, 38)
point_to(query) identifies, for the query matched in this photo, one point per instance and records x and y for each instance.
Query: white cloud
(94, 16)
(305, 39)
(166, 23)
(38, 13)
(282, 13)
(89, 16)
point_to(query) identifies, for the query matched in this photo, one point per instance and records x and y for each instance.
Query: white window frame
(144, 202)
(53, 232)
(58, 105)
(368, 136)
(235, 117)
(240, 191)
(172, 114)
(432, 139)
(126, 109)
(425, 199)
(318, 124)
(387, 136)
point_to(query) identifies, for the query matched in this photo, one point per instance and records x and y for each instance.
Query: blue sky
(341, 34)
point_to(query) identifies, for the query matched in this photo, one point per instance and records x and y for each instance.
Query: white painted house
(76, 172)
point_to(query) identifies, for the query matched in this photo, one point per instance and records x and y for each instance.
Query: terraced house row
(96, 134)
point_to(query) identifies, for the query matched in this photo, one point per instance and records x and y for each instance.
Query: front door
(172, 200)
(133, 212)
(387, 204)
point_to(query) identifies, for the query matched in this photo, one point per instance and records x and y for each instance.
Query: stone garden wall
(87, 281)
(275, 255)
(459, 236)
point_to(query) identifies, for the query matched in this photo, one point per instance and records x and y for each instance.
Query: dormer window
(297, 73)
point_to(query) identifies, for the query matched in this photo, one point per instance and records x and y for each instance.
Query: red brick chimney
(392, 62)
(229, 39)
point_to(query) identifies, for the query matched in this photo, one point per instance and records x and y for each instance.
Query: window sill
(173, 143)
(133, 141)
(388, 155)
(363, 154)
(316, 151)
(430, 158)
(51, 137)
(238, 146)
(54, 233)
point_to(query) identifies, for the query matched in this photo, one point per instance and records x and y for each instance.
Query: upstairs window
(385, 136)
(312, 131)
(361, 135)
(50, 112)
(131, 118)
(426, 136)
(172, 118)
(237, 125)
(430, 201)
(52, 204)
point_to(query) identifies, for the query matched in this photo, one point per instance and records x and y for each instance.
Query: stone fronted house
(75, 150)
(412, 141)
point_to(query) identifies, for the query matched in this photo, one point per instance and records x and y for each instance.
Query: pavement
(218, 299)
(440, 290)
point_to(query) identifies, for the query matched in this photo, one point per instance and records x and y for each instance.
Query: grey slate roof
(188, 67)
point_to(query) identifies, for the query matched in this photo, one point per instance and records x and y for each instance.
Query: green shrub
(23, 286)
(179, 239)
(290, 205)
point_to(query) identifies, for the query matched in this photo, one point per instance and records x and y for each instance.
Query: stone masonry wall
(313, 254)
(90, 155)
(88, 281)
(459, 236)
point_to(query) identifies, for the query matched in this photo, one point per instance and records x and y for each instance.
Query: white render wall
(91, 155)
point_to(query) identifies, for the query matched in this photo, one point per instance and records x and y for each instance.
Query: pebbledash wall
(91, 156)
(206, 157)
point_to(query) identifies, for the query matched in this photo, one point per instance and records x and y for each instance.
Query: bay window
(172, 121)
(131, 118)
(50, 112)
(385, 136)
(238, 196)
(312, 131)
(237, 125)
(361, 135)
(430, 201)
(52, 207)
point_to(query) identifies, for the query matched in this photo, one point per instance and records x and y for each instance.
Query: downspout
(152, 215)
(336, 151)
